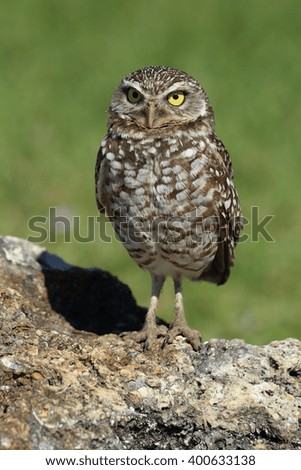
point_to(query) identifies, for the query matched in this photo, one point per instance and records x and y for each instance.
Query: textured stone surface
(62, 388)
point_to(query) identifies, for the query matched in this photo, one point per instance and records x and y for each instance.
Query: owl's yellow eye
(133, 95)
(176, 98)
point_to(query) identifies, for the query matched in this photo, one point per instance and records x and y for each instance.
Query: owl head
(160, 97)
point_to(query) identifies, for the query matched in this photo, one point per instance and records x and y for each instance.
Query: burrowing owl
(166, 182)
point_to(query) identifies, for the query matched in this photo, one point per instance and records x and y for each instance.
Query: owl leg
(179, 325)
(151, 331)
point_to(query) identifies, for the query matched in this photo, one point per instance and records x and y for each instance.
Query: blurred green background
(59, 63)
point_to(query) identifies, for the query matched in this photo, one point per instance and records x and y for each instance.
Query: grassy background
(60, 62)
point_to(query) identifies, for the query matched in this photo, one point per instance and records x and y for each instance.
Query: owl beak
(150, 114)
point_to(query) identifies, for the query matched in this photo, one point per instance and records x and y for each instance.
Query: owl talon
(193, 337)
(148, 336)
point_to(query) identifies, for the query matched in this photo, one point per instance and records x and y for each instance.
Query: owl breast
(162, 196)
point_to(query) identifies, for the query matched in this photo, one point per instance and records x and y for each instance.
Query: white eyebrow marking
(133, 84)
(179, 86)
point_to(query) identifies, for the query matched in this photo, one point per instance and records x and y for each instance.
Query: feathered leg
(179, 325)
(151, 331)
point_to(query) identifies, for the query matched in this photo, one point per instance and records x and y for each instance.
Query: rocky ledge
(68, 381)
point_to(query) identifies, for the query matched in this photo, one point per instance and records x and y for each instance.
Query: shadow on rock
(90, 299)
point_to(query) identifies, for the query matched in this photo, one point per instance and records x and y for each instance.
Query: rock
(89, 299)
(61, 388)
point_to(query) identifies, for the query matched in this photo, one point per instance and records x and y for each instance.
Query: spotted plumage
(166, 182)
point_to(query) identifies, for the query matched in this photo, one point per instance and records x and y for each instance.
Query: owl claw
(148, 335)
(193, 337)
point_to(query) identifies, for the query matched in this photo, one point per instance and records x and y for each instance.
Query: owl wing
(230, 222)
(99, 178)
